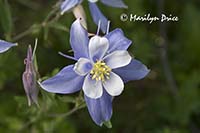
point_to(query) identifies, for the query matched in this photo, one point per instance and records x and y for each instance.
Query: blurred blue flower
(29, 78)
(97, 15)
(4, 46)
(103, 65)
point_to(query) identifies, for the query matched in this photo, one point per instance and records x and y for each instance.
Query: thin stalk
(163, 53)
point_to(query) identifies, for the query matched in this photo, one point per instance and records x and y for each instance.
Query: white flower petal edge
(83, 66)
(92, 88)
(117, 59)
(114, 86)
(98, 47)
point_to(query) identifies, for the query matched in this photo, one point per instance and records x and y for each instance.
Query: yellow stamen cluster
(100, 71)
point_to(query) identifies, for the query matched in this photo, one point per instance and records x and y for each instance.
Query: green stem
(44, 23)
(26, 32)
(76, 108)
(50, 15)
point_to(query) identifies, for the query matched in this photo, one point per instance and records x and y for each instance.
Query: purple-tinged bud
(29, 78)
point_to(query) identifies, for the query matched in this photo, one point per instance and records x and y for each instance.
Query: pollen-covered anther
(100, 71)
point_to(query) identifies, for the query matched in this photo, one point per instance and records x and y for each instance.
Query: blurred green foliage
(146, 106)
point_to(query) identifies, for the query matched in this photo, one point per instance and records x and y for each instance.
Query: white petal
(83, 66)
(118, 59)
(92, 88)
(114, 86)
(98, 47)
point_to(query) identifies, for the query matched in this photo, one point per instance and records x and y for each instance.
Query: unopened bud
(29, 78)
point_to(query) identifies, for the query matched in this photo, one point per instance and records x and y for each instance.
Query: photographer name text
(148, 18)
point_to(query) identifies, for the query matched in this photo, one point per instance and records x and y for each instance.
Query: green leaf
(6, 18)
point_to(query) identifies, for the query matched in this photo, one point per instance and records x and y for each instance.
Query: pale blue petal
(66, 81)
(98, 47)
(92, 88)
(117, 40)
(133, 71)
(114, 3)
(68, 5)
(117, 59)
(4, 46)
(83, 66)
(98, 16)
(79, 40)
(114, 85)
(100, 109)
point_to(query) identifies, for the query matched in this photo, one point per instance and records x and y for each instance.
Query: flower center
(100, 71)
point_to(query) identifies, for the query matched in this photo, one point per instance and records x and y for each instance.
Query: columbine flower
(97, 15)
(29, 78)
(4, 46)
(103, 65)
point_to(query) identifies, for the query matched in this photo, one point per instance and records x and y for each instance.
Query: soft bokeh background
(166, 101)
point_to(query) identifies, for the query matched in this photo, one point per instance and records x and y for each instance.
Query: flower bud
(29, 78)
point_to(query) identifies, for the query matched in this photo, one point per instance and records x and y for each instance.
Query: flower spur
(96, 14)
